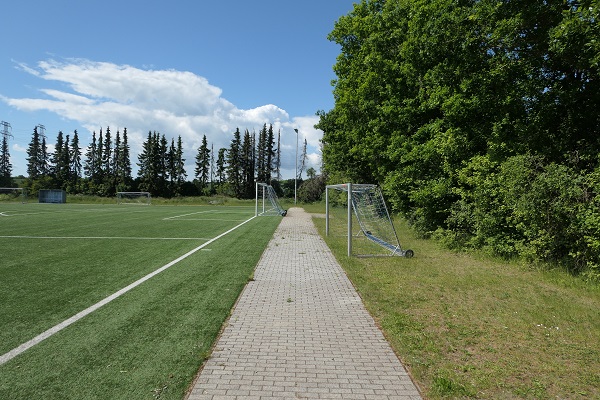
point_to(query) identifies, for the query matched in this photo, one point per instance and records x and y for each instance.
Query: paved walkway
(300, 331)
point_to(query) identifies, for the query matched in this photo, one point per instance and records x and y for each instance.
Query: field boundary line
(57, 328)
(103, 237)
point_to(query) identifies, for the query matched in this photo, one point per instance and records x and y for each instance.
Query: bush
(524, 207)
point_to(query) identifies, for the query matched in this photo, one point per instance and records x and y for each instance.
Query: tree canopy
(435, 99)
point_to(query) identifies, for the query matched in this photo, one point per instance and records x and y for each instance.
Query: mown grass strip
(471, 327)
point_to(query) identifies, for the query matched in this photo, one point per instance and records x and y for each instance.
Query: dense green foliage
(479, 118)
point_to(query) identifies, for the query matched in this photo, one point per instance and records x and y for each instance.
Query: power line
(41, 130)
(6, 130)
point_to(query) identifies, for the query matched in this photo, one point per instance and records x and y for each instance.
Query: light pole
(296, 171)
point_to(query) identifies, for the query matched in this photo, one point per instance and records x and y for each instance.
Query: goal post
(366, 204)
(13, 194)
(266, 201)
(140, 198)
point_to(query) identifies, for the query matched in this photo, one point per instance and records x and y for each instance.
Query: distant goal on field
(139, 198)
(267, 203)
(365, 204)
(13, 194)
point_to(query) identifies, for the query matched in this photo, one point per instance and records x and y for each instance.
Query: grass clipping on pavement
(471, 327)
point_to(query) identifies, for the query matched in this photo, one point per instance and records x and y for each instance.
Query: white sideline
(56, 328)
(103, 237)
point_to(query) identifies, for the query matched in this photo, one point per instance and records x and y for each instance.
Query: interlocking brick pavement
(300, 331)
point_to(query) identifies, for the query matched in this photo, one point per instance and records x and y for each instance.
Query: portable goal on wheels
(267, 202)
(13, 194)
(141, 198)
(367, 204)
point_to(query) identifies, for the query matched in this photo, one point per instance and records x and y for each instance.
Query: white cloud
(101, 94)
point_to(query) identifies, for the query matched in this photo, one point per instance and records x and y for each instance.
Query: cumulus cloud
(174, 103)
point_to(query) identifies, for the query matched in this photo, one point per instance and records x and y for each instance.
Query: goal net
(366, 203)
(267, 203)
(141, 198)
(13, 194)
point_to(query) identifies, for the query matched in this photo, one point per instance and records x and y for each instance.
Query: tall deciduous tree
(435, 99)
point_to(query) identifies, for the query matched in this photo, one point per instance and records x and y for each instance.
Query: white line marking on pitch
(56, 328)
(100, 237)
(185, 215)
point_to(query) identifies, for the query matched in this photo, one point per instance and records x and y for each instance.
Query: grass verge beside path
(471, 327)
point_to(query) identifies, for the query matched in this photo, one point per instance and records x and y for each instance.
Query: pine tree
(234, 160)
(152, 172)
(261, 159)
(34, 156)
(108, 180)
(171, 165)
(248, 165)
(89, 166)
(75, 158)
(5, 165)
(179, 167)
(163, 172)
(59, 162)
(99, 171)
(116, 163)
(203, 165)
(65, 162)
(221, 165)
(145, 170)
(270, 154)
(125, 162)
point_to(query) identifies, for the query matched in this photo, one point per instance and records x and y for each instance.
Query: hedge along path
(4, 358)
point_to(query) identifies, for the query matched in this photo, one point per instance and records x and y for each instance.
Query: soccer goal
(267, 203)
(366, 203)
(141, 198)
(13, 194)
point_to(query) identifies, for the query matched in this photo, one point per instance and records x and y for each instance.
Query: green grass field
(468, 326)
(60, 259)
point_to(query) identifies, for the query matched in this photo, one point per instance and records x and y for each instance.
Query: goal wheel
(284, 213)
(409, 253)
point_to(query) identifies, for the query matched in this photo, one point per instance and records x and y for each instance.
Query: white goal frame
(392, 245)
(121, 195)
(22, 196)
(266, 201)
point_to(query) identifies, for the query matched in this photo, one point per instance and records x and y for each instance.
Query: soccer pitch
(58, 260)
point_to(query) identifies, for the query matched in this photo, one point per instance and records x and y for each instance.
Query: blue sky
(180, 67)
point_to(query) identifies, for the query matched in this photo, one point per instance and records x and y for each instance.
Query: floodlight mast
(296, 171)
